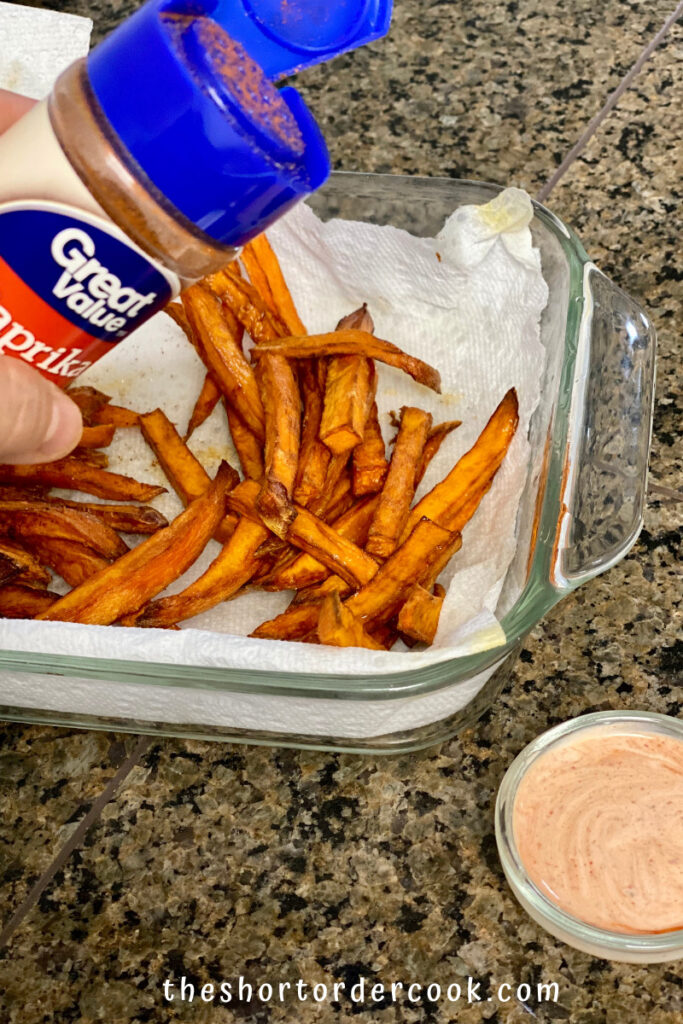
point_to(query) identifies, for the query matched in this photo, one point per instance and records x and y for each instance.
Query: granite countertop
(213, 861)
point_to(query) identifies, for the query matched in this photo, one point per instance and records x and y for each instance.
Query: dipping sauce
(598, 825)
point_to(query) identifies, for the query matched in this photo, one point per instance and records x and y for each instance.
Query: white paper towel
(37, 45)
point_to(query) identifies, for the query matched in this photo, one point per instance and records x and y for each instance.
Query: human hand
(38, 423)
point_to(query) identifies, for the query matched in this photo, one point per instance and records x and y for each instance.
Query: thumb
(38, 422)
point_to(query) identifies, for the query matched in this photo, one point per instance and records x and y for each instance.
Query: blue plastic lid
(185, 86)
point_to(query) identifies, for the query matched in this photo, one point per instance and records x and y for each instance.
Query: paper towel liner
(37, 45)
(473, 311)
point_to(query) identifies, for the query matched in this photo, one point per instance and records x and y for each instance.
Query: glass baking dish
(580, 513)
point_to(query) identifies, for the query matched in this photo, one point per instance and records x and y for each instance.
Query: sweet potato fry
(178, 315)
(207, 400)
(344, 557)
(17, 602)
(130, 582)
(293, 624)
(474, 471)
(41, 519)
(72, 561)
(88, 400)
(228, 573)
(248, 306)
(99, 436)
(337, 489)
(385, 593)
(339, 627)
(314, 456)
(116, 416)
(399, 488)
(127, 518)
(72, 474)
(260, 260)
(17, 563)
(351, 342)
(280, 397)
(348, 396)
(184, 471)
(247, 445)
(223, 356)
(370, 465)
(419, 616)
(91, 457)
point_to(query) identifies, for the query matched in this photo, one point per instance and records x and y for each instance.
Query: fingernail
(64, 431)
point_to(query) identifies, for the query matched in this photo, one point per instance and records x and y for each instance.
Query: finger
(12, 107)
(38, 423)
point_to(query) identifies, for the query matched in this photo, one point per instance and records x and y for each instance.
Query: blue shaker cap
(200, 119)
(285, 36)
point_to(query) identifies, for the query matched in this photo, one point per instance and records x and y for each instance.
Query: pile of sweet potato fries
(319, 508)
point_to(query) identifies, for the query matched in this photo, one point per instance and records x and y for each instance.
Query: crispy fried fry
(280, 396)
(327, 546)
(437, 435)
(419, 616)
(314, 456)
(116, 416)
(247, 445)
(17, 563)
(127, 518)
(222, 354)
(17, 602)
(351, 342)
(72, 561)
(293, 624)
(99, 436)
(248, 306)
(91, 457)
(88, 400)
(399, 488)
(370, 465)
(349, 388)
(131, 581)
(184, 471)
(385, 593)
(475, 470)
(72, 474)
(207, 400)
(271, 282)
(228, 573)
(41, 519)
(339, 627)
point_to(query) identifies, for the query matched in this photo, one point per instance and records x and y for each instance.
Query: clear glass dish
(634, 948)
(580, 513)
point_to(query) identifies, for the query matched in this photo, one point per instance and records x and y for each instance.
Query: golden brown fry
(349, 391)
(88, 400)
(73, 474)
(178, 316)
(91, 456)
(293, 624)
(370, 465)
(17, 602)
(127, 518)
(473, 472)
(248, 306)
(247, 445)
(351, 342)
(183, 470)
(99, 436)
(271, 282)
(339, 627)
(344, 557)
(130, 582)
(207, 400)
(40, 519)
(419, 616)
(304, 570)
(222, 354)
(385, 593)
(16, 562)
(399, 488)
(72, 561)
(280, 396)
(437, 435)
(116, 416)
(228, 573)
(336, 491)
(314, 456)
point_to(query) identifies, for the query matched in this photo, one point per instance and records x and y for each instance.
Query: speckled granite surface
(217, 861)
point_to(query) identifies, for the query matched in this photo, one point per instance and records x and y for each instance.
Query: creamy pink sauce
(598, 823)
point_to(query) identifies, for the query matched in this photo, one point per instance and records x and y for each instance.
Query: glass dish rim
(538, 595)
(520, 883)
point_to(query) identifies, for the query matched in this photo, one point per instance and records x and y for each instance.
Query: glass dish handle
(610, 424)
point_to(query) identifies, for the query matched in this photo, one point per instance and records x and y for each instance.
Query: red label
(33, 331)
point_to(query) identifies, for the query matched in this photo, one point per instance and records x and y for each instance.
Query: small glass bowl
(640, 948)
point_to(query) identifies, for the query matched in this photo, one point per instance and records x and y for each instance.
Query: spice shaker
(153, 161)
